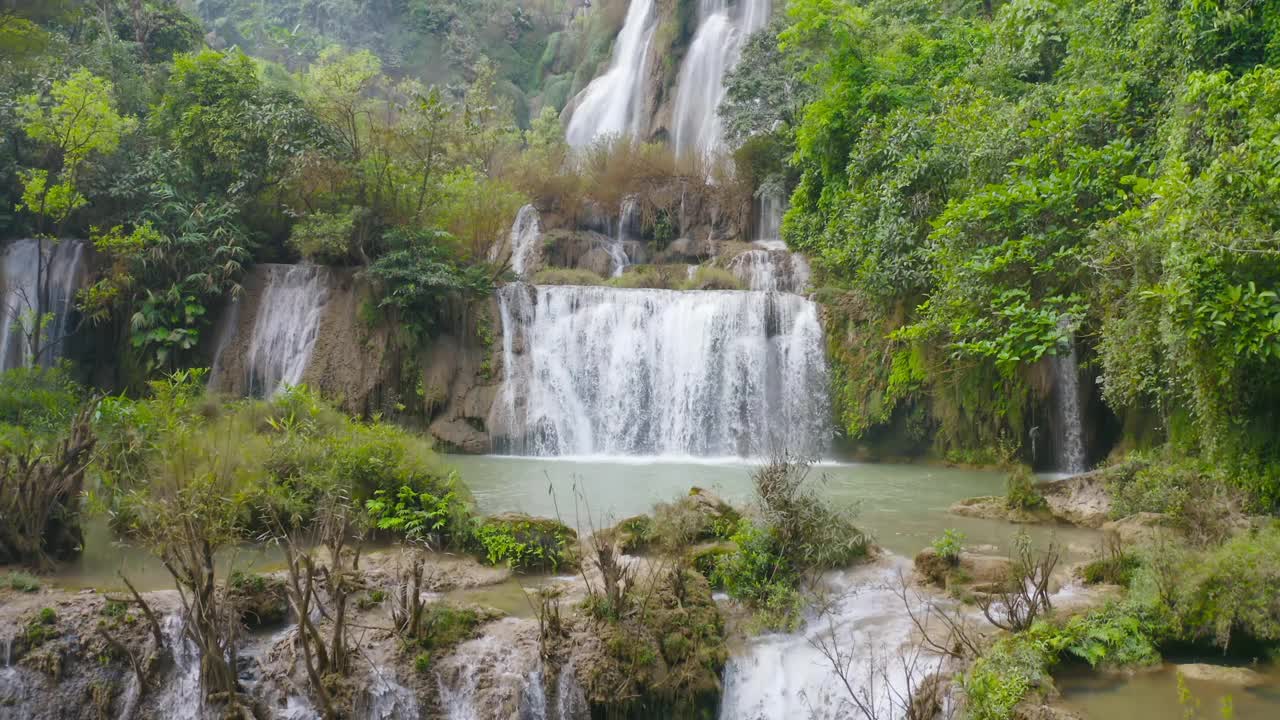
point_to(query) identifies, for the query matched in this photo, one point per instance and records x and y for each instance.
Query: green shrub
(422, 663)
(653, 277)
(421, 517)
(712, 278)
(759, 574)
(1231, 591)
(20, 581)
(949, 546)
(324, 237)
(1020, 490)
(47, 616)
(566, 276)
(524, 542)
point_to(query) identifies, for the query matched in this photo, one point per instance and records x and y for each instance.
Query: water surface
(904, 507)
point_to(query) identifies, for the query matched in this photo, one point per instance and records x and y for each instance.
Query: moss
(634, 534)
(525, 542)
(20, 581)
(713, 278)
(566, 276)
(665, 661)
(260, 600)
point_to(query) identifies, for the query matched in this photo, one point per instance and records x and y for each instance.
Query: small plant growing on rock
(949, 546)
(20, 581)
(1020, 490)
(422, 663)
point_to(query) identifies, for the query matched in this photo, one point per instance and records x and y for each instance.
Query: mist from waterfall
(607, 371)
(286, 326)
(19, 270)
(722, 30)
(613, 103)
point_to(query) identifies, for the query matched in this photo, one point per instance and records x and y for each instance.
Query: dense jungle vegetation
(982, 184)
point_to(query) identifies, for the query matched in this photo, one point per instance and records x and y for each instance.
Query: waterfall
(1069, 441)
(596, 370)
(776, 674)
(770, 266)
(388, 700)
(722, 30)
(63, 268)
(526, 234)
(617, 249)
(612, 104)
(286, 326)
(182, 697)
(491, 676)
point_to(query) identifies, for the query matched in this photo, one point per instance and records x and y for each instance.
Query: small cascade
(525, 239)
(181, 697)
(388, 700)
(627, 217)
(63, 268)
(770, 267)
(774, 675)
(286, 326)
(722, 29)
(597, 370)
(613, 104)
(1069, 440)
(490, 677)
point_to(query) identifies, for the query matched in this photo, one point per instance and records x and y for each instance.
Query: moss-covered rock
(260, 600)
(526, 542)
(664, 660)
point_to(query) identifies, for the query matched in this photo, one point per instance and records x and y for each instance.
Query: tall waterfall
(722, 30)
(286, 326)
(1069, 439)
(594, 370)
(613, 104)
(63, 269)
(526, 232)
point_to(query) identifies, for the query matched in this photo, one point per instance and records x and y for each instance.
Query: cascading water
(388, 700)
(182, 696)
(776, 675)
(491, 677)
(612, 103)
(286, 326)
(63, 263)
(526, 233)
(770, 267)
(626, 223)
(722, 29)
(1069, 440)
(593, 370)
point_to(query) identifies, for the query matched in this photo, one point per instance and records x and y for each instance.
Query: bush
(1198, 499)
(653, 277)
(712, 278)
(526, 543)
(759, 574)
(1230, 592)
(566, 276)
(949, 546)
(323, 237)
(20, 581)
(1020, 490)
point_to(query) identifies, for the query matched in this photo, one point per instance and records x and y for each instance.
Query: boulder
(994, 507)
(1081, 500)
(1240, 677)
(1137, 528)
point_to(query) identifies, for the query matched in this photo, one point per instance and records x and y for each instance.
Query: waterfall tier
(526, 232)
(1068, 441)
(613, 104)
(716, 46)
(23, 299)
(771, 268)
(605, 371)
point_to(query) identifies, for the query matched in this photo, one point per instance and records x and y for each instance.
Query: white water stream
(613, 104)
(722, 29)
(605, 371)
(22, 301)
(1069, 437)
(286, 326)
